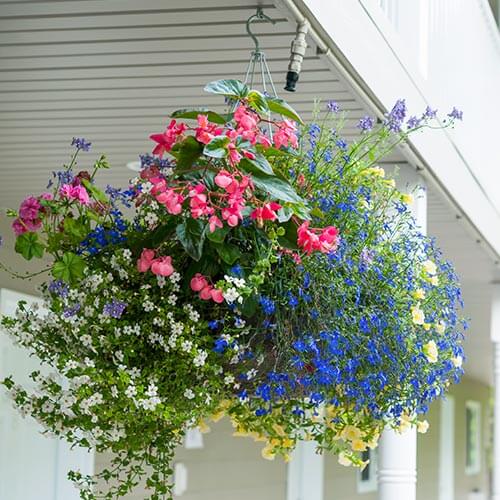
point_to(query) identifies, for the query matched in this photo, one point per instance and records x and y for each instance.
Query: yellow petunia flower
(408, 199)
(430, 267)
(345, 459)
(457, 361)
(268, 452)
(434, 281)
(431, 351)
(440, 327)
(203, 427)
(351, 433)
(358, 445)
(418, 316)
(419, 294)
(427, 326)
(422, 426)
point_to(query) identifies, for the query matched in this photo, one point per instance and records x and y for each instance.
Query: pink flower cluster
(167, 139)
(246, 128)
(217, 206)
(312, 239)
(75, 192)
(206, 291)
(161, 266)
(30, 212)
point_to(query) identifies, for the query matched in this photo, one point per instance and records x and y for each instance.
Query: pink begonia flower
(199, 206)
(267, 212)
(29, 209)
(214, 223)
(309, 240)
(162, 266)
(206, 131)
(234, 155)
(217, 296)
(244, 118)
(223, 179)
(264, 140)
(198, 282)
(47, 196)
(206, 293)
(145, 260)
(231, 216)
(285, 134)
(248, 154)
(172, 201)
(329, 239)
(167, 139)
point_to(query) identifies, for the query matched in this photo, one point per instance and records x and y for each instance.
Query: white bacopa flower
(175, 277)
(151, 218)
(131, 391)
(189, 394)
(86, 340)
(71, 365)
(229, 379)
(161, 280)
(231, 295)
(114, 391)
(127, 254)
(200, 358)
(186, 345)
(172, 299)
(148, 306)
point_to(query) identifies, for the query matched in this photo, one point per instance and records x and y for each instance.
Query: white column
(305, 475)
(397, 464)
(495, 337)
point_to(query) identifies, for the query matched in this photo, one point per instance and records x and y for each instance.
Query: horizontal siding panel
(213, 68)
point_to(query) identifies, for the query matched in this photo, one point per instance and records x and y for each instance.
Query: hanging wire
(258, 63)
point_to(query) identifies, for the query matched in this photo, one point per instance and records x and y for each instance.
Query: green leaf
(95, 192)
(277, 188)
(160, 234)
(28, 246)
(217, 147)
(191, 235)
(187, 152)
(219, 234)
(102, 162)
(317, 212)
(285, 214)
(231, 88)
(192, 114)
(257, 101)
(260, 164)
(281, 107)
(271, 152)
(70, 268)
(289, 239)
(228, 253)
(75, 229)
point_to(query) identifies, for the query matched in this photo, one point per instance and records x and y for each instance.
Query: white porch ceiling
(112, 70)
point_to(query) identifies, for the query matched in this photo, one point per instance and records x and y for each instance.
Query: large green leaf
(228, 253)
(289, 239)
(219, 234)
(277, 188)
(29, 246)
(187, 152)
(230, 88)
(76, 229)
(259, 164)
(217, 147)
(191, 235)
(69, 268)
(192, 114)
(257, 101)
(281, 107)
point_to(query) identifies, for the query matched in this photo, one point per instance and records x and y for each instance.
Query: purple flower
(366, 123)
(114, 309)
(396, 116)
(413, 122)
(81, 143)
(367, 255)
(456, 114)
(59, 288)
(333, 106)
(429, 113)
(71, 311)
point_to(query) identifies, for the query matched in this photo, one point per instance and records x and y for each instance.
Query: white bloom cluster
(233, 293)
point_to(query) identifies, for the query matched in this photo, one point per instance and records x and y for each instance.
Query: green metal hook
(259, 15)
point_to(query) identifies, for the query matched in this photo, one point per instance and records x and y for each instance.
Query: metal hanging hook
(259, 15)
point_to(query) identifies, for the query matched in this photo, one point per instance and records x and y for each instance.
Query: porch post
(397, 463)
(495, 337)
